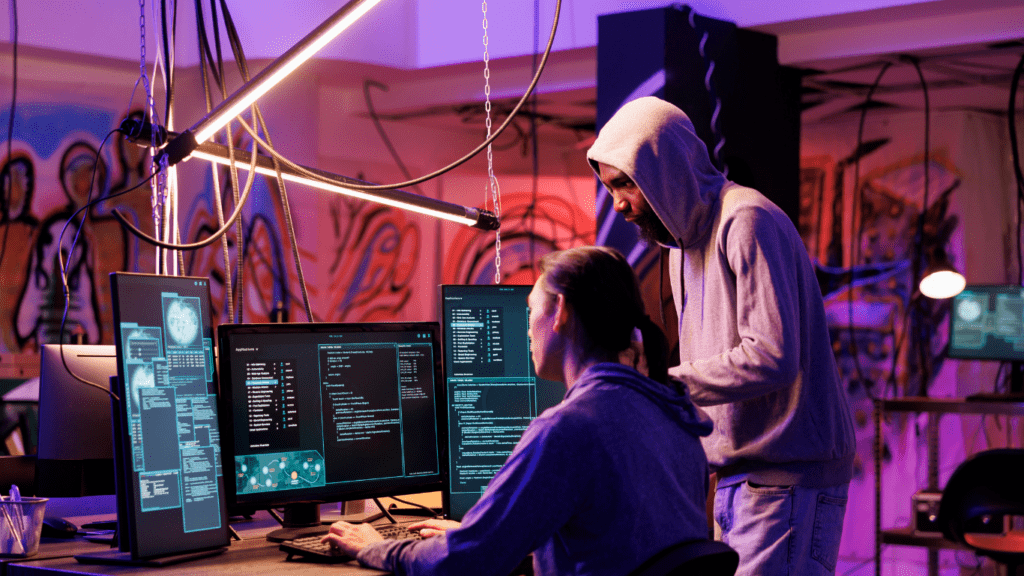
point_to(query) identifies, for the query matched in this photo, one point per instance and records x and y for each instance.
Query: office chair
(694, 557)
(986, 485)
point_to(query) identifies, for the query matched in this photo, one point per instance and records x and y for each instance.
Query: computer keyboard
(396, 532)
(310, 547)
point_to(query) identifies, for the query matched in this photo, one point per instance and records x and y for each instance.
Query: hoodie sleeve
(767, 355)
(530, 498)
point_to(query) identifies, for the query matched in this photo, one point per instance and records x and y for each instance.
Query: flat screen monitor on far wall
(987, 323)
(315, 413)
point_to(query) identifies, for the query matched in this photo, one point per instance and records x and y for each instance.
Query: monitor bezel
(327, 494)
(442, 290)
(963, 354)
(130, 540)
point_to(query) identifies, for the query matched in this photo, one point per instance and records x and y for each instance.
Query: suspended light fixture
(326, 181)
(941, 280)
(186, 142)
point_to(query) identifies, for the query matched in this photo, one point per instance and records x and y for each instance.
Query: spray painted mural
(51, 174)
(361, 261)
(532, 227)
(869, 224)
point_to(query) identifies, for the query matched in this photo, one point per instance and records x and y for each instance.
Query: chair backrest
(696, 557)
(988, 483)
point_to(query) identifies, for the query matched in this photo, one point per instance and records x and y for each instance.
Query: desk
(252, 555)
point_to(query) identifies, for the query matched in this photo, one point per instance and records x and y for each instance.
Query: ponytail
(655, 349)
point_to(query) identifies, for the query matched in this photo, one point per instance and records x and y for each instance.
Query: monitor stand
(302, 519)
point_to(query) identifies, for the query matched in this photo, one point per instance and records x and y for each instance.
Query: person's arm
(767, 358)
(528, 500)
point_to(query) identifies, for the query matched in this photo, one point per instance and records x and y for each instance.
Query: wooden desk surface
(252, 555)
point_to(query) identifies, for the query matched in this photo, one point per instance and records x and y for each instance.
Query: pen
(17, 547)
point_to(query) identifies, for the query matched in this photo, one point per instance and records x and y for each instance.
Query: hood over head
(655, 144)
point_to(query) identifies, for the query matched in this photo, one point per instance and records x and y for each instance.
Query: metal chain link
(491, 179)
(158, 184)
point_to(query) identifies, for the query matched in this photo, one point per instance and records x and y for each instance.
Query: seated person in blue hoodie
(597, 484)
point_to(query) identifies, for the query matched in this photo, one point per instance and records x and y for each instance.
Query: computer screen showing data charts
(331, 412)
(493, 391)
(167, 440)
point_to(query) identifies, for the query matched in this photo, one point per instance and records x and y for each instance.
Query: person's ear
(561, 315)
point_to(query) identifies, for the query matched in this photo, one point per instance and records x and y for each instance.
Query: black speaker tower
(759, 116)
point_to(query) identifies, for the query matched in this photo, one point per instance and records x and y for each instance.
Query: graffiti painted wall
(360, 261)
(862, 212)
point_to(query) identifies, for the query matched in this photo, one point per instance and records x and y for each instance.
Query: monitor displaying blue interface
(321, 412)
(170, 491)
(493, 390)
(987, 323)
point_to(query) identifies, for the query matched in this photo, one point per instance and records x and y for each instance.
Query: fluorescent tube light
(469, 216)
(180, 148)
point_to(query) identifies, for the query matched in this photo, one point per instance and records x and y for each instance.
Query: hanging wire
(468, 156)
(71, 250)
(535, 176)
(923, 337)
(367, 84)
(203, 243)
(855, 238)
(301, 170)
(1011, 116)
(207, 64)
(236, 48)
(491, 179)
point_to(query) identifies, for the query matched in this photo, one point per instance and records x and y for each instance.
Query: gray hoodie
(754, 345)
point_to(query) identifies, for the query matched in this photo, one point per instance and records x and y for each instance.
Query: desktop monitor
(75, 450)
(166, 444)
(493, 390)
(987, 323)
(321, 412)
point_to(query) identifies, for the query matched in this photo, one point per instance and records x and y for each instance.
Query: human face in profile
(628, 200)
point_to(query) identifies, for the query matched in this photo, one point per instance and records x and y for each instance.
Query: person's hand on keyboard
(434, 526)
(351, 538)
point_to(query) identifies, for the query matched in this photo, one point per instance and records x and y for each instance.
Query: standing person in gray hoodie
(754, 345)
(599, 483)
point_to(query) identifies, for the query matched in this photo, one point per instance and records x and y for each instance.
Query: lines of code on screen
(493, 391)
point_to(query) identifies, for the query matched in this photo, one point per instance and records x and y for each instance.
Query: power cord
(1011, 116)
(855, 238)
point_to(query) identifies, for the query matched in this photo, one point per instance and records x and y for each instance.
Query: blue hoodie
(596, 485)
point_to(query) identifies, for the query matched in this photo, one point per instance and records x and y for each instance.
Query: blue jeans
(782, 530)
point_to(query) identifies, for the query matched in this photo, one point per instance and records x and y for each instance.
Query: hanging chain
(158, 184)
(491, 179)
